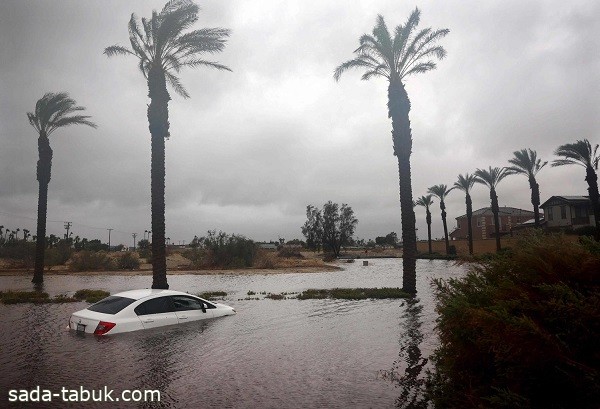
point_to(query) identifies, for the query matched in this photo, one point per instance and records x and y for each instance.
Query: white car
(142, 309)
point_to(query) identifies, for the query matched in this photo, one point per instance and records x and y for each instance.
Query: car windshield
(111, 305)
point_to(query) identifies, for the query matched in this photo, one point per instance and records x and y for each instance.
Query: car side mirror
(203, 308)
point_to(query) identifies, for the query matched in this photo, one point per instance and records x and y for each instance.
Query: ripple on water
(272, 354)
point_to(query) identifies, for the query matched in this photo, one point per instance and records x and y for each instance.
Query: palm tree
(581, 153)
(491, 178)
(525, 162)
(441, 191)
(163, 50)
(52, 111)
(426, 202)
(465, 183)
(395, 58)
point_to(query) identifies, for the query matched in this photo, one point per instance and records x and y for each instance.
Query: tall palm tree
(525, 162)
(52, 112)
(163, 50)
(491, 178)
(441, 191)
(465, 183)
(581, 153)
(396, 57)
(426, 202)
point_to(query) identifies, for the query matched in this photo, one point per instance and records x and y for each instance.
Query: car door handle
(148, 320)
(183, 318)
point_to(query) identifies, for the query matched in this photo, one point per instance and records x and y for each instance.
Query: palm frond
(425, 201)
(176, 84)
(117, 50)
(159, 42)
(440, 191)
(355, 63)
(52, 112)
(465, 182)
(491, 177)
(579, 153)
(525, 162)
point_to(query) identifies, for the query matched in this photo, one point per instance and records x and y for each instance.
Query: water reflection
(289, 353)
(407, 372)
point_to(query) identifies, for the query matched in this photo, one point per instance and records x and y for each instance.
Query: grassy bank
(38, 297)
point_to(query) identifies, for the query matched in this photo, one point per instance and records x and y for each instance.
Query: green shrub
(92, 261)
(196, 256)
(521, 329)
(129, 261)
(207, 295)
(227, 251)
(91, 296)
(288, 252)
(23, 252)
(18, 297)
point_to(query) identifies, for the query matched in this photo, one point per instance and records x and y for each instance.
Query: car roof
(147, 292)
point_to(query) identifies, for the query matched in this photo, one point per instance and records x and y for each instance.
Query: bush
(129, 261)
(521, 329)
(22, 252)
(92, 261)
(59, 255)
(227, 251)
(91, 296)
(196, 256)
(287, 252)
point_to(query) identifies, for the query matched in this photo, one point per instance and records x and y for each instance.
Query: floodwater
(272, 354)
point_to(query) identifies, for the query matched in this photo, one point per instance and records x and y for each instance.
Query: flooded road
(272, 354)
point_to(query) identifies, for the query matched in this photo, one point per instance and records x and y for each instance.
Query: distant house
(568, 212)
(267, 246)
(482, 222)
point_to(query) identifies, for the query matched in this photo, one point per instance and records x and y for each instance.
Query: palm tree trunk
(44, 168)
(535, 200)
(443, 207)
(398, 110)
(495, 211)
(158, 119)
(428, 219)
(469, 203)
(592, 179)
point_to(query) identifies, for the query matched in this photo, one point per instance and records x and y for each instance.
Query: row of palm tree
(162, 50)
(524, 162)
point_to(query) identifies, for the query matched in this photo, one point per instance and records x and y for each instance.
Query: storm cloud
(251, 148)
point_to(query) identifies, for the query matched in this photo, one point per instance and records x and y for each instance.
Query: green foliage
(227, 251)
(129, 261)
(287, 252)
(212, 294)
(23, 252)
(91, 296)
(521, 329)
(92, 261)
(58, 255)
(353, 293)
(18, 297)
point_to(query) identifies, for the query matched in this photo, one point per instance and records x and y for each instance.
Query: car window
(111, 305)
(155, 306)
(183, 303)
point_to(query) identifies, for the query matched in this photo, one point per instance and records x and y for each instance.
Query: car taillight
(103, 327)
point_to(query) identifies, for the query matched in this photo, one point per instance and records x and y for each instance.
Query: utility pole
(149, 233)
(109, 230)
(145, 231)
(67, 227)
(134, 236)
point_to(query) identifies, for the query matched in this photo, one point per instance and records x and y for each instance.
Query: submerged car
(142, 309)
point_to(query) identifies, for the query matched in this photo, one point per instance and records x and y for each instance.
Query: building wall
(479, 246)
(483, 226)
(553, 214)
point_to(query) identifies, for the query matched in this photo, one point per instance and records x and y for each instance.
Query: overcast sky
(251, 148)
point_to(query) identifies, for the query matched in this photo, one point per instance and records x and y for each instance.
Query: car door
(157, 312)
(190, 308)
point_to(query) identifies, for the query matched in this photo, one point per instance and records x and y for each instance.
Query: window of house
(563, 212)
(550, 213)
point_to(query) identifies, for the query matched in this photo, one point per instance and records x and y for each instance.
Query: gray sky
(250, 149)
